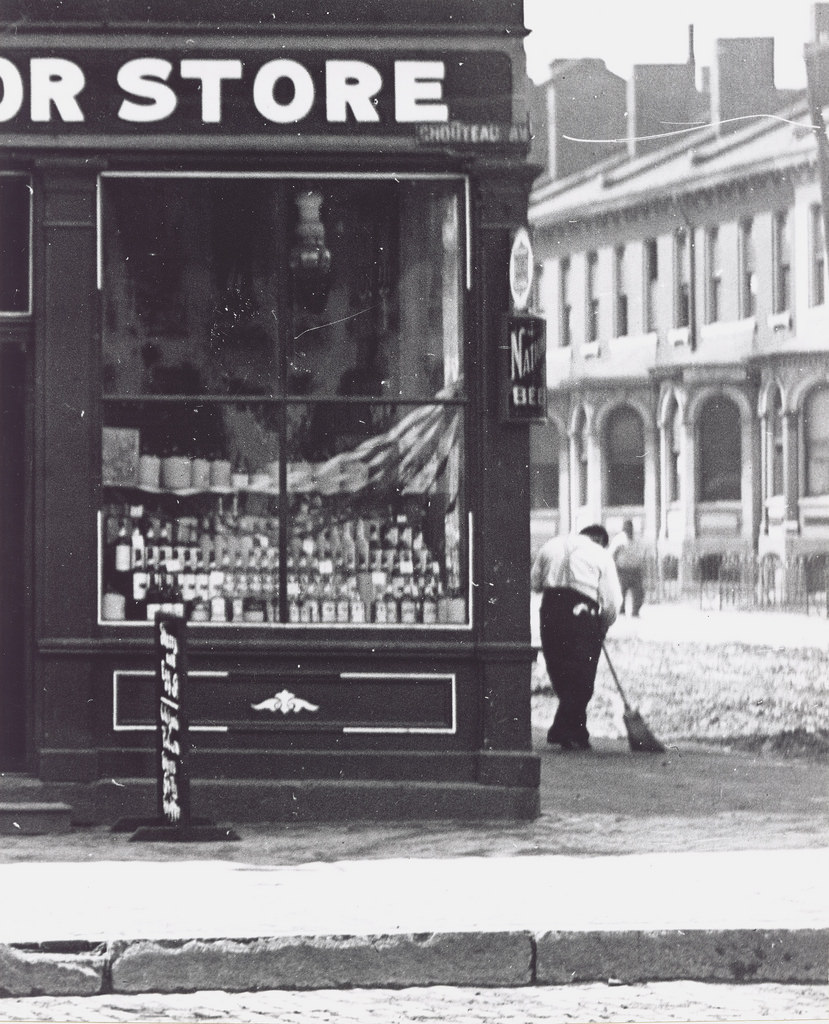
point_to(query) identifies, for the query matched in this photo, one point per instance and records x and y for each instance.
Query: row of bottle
(247, 595)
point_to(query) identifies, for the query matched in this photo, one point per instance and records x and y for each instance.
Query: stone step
(34, 818)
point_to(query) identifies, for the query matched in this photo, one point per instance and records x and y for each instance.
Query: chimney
(742, 80)
(820, 23)
(662, 98)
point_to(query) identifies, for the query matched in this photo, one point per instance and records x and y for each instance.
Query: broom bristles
(639, 735)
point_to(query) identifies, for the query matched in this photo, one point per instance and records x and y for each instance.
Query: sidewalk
(697, 864)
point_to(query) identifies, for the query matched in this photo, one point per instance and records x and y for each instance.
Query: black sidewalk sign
(173, 732)
(174, 822)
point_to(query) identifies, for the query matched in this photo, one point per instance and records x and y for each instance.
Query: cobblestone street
(674, 1001)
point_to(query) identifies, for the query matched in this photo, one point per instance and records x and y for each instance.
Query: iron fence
(743, 581)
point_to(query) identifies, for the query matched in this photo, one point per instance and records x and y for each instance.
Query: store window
(651, 279)
(682, 280)
(15, 245)
(816, 436)
(817, 253)
(719, 448)
(748, 270)
(621, 290)
(782, 255)
(713, 260)
(625, 453)
(283, 400)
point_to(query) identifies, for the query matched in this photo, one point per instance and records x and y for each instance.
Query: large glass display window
(283, 402)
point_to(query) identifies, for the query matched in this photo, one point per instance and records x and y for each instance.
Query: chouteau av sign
(163, 91)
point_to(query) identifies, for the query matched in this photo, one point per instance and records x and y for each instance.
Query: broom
(639, 735)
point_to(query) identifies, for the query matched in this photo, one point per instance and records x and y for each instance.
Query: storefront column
(664, 482)
(502, 562)
(791, 475)
(688, 479)
(595, 475)
(652, 481)
(66, 373)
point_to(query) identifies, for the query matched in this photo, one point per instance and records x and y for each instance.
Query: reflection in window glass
(210, 284)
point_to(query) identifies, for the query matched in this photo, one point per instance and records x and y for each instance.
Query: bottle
(357, 607)
(328, 602)
(409, 604)
(123, 554)
(429, 603)
(361, 546)
(392, 606)
(349, 548)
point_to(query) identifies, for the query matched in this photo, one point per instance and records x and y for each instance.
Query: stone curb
(48, 972)
(489, 959)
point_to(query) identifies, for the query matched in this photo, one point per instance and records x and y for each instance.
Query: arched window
(816, 438)
(625, 453)
(720, 450)
(544, 455)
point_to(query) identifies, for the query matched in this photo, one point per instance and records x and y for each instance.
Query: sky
(627, 32)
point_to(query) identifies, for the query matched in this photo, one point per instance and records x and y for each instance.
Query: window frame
(24, 314)
(650, 279)
(782, 259)
(286, 400)
(592, 303)
(817, 256)
(713, 275)
(748, 269)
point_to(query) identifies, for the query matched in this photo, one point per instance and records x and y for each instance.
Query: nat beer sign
(524, 369)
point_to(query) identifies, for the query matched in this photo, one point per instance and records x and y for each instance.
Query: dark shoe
(569, 745)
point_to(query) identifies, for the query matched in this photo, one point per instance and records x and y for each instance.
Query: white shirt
(583, 565)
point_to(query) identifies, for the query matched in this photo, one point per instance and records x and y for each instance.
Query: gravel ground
(666, 1001)
(741, 694)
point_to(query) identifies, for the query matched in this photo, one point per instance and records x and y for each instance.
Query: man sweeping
(581, 598)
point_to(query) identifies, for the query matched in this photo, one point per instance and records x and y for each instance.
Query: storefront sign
(524, 369)
(287, 89)
(171, 683)
(459, 133)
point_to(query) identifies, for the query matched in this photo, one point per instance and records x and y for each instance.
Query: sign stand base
(183, 834)
(158, 830)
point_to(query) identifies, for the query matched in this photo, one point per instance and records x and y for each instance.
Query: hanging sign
(173, 741)
(524, 369)
(521, 269)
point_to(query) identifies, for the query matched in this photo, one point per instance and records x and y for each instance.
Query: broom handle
(616, 678)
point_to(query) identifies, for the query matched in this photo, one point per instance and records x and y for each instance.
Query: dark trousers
(631, 580)
(571, 644)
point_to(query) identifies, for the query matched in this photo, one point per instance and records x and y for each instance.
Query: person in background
(581, 597)
(629, 556)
